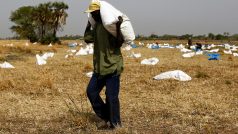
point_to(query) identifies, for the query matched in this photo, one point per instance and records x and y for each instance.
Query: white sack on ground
(127, 48)
(81, 52)
(181, 46)
(6, 65)
(235, 54)
(40, 60)
(109, 15)
(185, 50)
(199, 53)
(68, 55)
(150, 61)
(234, 49)
(227, 46)
(177, 75)
(72, 51)
(212, 45)
(188, 55)
(89, 48)
(193, 47)
(214, 50)
(27, 44)
(45, 56)
(89, 74)
(135, 55)
(228, 52)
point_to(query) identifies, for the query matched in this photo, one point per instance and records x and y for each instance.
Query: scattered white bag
(235, 54)
(135, 55)
(68, 55)
(234, 49)
(89, 48)
(72, 51)
(89, 74)
(150, 61)
(127, 48)
(227, 46)
(40, 60)
(50, 45)
(228, 52)
(185, 50)
(6, 65)
(212, 45)
(209, 47)
(181, 46)
(188, 55)
(45, 56)
(81, 52)
(109, 15)
(27, 44)
(199, 53)
(214, 50)
(193, 47)
(177, 75)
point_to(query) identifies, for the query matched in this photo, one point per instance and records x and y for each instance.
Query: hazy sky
(147, 16)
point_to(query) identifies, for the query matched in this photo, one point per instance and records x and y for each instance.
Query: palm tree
(59, 16)
(42, 15)
(41, 22)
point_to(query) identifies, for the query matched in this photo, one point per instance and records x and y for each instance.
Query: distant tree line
(39, 23)
(209, 36)
(71, 37)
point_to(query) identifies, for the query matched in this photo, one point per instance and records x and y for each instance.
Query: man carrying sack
(108, 65)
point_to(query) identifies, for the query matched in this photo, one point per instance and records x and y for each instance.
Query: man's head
(94, 9)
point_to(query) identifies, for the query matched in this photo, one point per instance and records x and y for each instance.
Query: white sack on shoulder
(177, 75)
(109, 16)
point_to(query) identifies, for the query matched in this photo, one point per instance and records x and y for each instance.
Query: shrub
(49, 39)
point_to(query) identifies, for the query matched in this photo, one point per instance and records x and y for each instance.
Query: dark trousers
(110, 110)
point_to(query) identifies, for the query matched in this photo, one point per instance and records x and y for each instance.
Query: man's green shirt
(107, 57)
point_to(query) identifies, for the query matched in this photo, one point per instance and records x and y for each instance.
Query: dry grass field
(51, 98)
